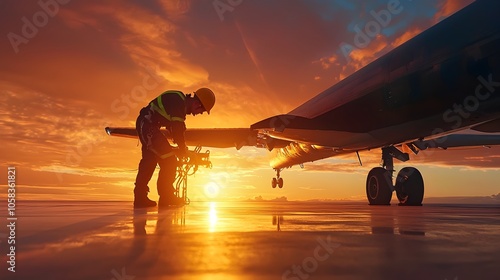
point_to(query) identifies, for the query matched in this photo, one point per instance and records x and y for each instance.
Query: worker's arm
(178, 129)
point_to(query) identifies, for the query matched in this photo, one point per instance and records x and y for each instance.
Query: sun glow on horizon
(212, 217)
(212, 190)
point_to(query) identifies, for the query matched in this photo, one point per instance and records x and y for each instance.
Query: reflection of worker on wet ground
(166, 220)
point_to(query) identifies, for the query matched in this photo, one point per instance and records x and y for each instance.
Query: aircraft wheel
(280, 183)
(274, 182)
(378, 186)
(409, 187)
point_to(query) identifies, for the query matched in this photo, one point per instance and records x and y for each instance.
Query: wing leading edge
(213, 137)
(290, 153)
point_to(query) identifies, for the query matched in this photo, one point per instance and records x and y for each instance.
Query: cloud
(90, 172)
(335, 167)
(449, 7)
(37, 123)
(176, 8)
(261, 199)
(97, 63)
(478, 158)
(146, 37)
(311, 189)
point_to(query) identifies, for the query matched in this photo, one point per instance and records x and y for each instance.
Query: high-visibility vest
(158, 106)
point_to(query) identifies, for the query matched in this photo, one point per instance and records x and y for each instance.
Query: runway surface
(250, 240)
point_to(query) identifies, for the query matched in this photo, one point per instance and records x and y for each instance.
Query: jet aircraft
(422, 95)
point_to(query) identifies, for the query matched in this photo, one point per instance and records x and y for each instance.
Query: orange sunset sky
(70, 68)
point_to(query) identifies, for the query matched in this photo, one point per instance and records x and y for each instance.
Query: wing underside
(214, 137)
(288, 153)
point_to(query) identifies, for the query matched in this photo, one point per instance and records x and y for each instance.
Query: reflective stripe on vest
(161, 109)
(162, 156)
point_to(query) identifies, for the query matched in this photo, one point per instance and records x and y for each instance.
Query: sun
(212, 190)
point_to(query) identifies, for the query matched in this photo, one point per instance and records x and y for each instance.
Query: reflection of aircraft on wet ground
(382, 221)
(423, 94)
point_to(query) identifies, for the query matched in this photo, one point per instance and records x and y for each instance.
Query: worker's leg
(168, 168)
(147, 167)
(166, 178)
(145, 130)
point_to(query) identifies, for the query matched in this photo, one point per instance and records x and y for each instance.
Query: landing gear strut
(409, 185)
(278, 181)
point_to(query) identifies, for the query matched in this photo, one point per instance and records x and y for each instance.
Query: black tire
(409, 187)
(274, 182)
(379, 187)
(280, 183)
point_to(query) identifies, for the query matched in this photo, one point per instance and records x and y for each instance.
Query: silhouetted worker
(168, 110)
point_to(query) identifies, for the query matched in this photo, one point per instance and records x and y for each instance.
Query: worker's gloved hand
(182, 154)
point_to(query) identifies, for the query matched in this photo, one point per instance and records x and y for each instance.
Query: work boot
(143, 201)
(171, 201)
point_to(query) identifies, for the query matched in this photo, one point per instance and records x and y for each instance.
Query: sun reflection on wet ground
(248, 240)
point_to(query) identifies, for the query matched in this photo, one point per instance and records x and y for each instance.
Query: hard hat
(206, 97)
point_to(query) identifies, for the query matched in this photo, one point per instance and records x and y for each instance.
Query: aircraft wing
(300, 130)
(290, 152)
(211, 137)
(459, 140)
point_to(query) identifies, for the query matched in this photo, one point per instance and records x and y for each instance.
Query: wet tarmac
(253, 240)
